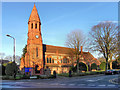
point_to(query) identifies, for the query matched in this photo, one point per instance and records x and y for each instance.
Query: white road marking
(93, 80)
(102, 85)
(71, 84)
(54, 84)
(38, 83)
(91, 84)
(111, 85)
(81, 84)
(19, 82)
(62, 84)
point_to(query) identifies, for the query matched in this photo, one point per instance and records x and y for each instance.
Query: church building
(41, 55)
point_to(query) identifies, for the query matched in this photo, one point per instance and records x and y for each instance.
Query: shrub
(26, 77)
(114, 64)
(11, 78)
(82, 66)
(18, 77)
(5, 77)
(102, 66)
(11, 69)
(74, 69)
(38, 76)
(64, 74)
(51, 76)
(46, 77)
(93, 66)
(2, 68)
(88, 73)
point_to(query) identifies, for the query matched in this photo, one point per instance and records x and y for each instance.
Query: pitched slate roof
(87, 56)
(55, 49)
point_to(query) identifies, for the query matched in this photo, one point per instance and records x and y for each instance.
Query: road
(93, 81)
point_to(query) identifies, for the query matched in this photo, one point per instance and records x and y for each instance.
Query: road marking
(19, 82)
(38, 83)
(71, 84)
(54, 84)
(112, 81)
(111, 85)
(102, 85)
(81, 84)
(91, 84)
(62, 84)
(90, 80)
(93, 80)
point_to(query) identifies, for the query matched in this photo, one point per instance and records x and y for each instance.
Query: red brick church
(41, 55)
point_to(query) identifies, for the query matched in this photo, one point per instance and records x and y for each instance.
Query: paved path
(95, 81)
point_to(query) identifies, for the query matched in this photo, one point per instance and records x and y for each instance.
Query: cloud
(109, 21)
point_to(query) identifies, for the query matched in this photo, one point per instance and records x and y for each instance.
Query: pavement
(93, 81)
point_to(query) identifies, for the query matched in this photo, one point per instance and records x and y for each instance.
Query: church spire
(34, 15)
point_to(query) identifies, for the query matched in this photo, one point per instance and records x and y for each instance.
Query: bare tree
(101, 59)
(17, 59)
(75, 39)
(104, 39)
(2, 55)
(8, 58)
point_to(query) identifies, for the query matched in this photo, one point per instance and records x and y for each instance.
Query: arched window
(50, 60)
(36, 52)
(61, 61)
(32, 25)
(36, 26)
(47, 60)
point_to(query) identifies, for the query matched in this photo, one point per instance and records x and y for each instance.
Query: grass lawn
(82, 73)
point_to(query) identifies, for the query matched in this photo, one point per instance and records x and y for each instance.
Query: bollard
(70, 75)
(54, 74)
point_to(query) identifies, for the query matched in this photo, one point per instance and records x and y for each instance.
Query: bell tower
(34, 55)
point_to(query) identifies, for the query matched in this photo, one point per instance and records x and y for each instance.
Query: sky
(57, 20)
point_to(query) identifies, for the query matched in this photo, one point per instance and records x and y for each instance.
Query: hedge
(11, 69)
(93, 66)
(102, 66)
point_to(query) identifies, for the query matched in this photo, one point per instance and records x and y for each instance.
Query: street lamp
(14, 46)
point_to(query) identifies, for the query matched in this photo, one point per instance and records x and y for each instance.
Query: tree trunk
(77, 67)
(106, 64)
(110, 64)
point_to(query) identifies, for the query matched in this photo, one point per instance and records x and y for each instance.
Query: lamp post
(14, 46)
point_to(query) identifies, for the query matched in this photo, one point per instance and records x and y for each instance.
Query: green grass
(18, 77)
(64, 74)
(82, 73)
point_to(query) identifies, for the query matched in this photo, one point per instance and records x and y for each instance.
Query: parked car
(110, 72)
(117, 71)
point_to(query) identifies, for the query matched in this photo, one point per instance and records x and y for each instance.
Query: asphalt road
(94, 81)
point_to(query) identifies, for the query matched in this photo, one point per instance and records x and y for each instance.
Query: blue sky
(58, 19)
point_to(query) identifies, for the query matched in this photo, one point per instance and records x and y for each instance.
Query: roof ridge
(61, 47)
